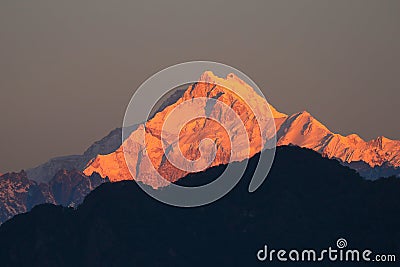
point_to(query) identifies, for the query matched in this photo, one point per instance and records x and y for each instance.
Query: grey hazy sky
(69, 68)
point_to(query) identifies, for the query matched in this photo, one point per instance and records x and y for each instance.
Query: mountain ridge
(379, 166)
(310, 133)
(372, 159)
(381, 154)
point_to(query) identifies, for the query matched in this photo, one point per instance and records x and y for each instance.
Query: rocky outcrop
(69, 188)
(18, 194)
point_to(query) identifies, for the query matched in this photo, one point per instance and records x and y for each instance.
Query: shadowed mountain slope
(306, 202)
